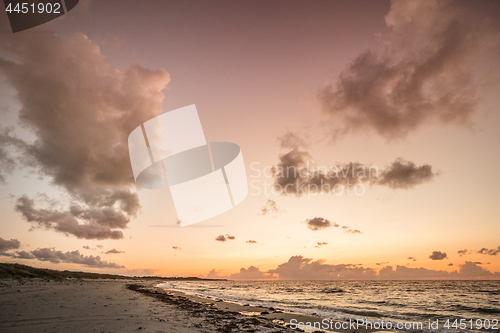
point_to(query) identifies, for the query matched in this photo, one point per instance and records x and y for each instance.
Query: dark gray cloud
(250, 273)
(450, 264)
(491, 252)
(80, 110)
(296, 174)
(7, 245)
(412, 258)
(251, 241)
(292, 140)
(68, 222)
(113, 251)
(438, 255)
(319, 223)
(177, 248)
(229, 237)
(220, 238)
(402, 174)
(270, 208)
(73, 257)
(24, 255)
(423, 75)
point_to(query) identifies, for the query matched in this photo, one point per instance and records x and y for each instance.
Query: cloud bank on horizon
(76, 105)
(301, 268)
(81, 110)
(71, 257)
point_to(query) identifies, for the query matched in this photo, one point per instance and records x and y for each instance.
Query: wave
(332, 290)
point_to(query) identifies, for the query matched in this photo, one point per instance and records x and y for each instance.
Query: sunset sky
(410, 88)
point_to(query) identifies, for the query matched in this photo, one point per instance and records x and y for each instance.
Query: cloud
(423, 75)
(222, 238)
(113, 251)
(214, 274)
(462, 252)
(177, 248)
(80, 110)
(381, 263)
(270, 208)
(250, 273)
(301, 268)
(297, 174)
(438, 255)
(251, 241)
(7, 162)
(7, 245)
(291, 140)
(412, 258)
(402, 174)
(24, 255)
(322, 243)
(472, 270)
(468, 270)
(403, 272)
(73, 257)
(450, 264)
(100, 222)
(141, 272)
(352, 231)
(319, 223)
(86, 247)
(491, 252)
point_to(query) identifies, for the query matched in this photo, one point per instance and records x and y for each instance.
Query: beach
(128, 306)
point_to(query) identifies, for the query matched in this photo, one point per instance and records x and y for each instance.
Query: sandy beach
(128, 306)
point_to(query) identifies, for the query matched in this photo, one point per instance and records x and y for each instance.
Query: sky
(407, 90)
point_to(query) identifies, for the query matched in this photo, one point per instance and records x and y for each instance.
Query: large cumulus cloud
(80, 110)
(423, 75)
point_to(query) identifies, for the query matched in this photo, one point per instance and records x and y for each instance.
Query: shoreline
(72, 305)
(269, 313)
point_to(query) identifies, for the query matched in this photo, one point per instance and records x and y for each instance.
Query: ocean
(476, 303)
